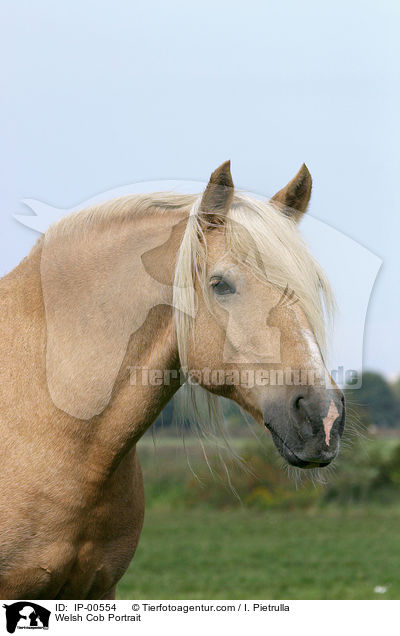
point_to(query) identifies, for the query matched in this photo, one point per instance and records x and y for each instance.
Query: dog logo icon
(26, 615)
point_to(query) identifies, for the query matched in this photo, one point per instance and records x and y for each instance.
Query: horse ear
(217, 196)
(295, 196)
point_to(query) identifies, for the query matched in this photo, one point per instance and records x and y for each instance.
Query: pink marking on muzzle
(329, 419)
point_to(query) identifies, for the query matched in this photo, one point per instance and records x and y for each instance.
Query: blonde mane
(119, 210)
(257, 232)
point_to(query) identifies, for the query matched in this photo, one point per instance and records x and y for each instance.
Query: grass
(328, 554)
(199, 542)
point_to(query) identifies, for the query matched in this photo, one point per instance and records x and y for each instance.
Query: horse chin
(291, 457)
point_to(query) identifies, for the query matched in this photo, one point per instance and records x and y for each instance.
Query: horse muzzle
(308, 429)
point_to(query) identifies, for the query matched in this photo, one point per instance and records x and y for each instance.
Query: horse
(216, 286)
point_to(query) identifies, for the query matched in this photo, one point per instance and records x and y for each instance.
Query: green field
(223, 554)
(279, 542)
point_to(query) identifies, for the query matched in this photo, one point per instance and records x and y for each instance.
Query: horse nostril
(298, 403)
(298, 408)
(312, 417)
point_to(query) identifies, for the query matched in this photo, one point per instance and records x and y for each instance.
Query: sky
(98, 95)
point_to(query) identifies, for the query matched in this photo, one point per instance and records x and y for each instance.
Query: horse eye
(222, 288)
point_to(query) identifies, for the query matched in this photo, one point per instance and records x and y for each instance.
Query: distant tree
(376, 401)
(396, 388)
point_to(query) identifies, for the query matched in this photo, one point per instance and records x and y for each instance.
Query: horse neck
(136, 399)
(147, 380)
